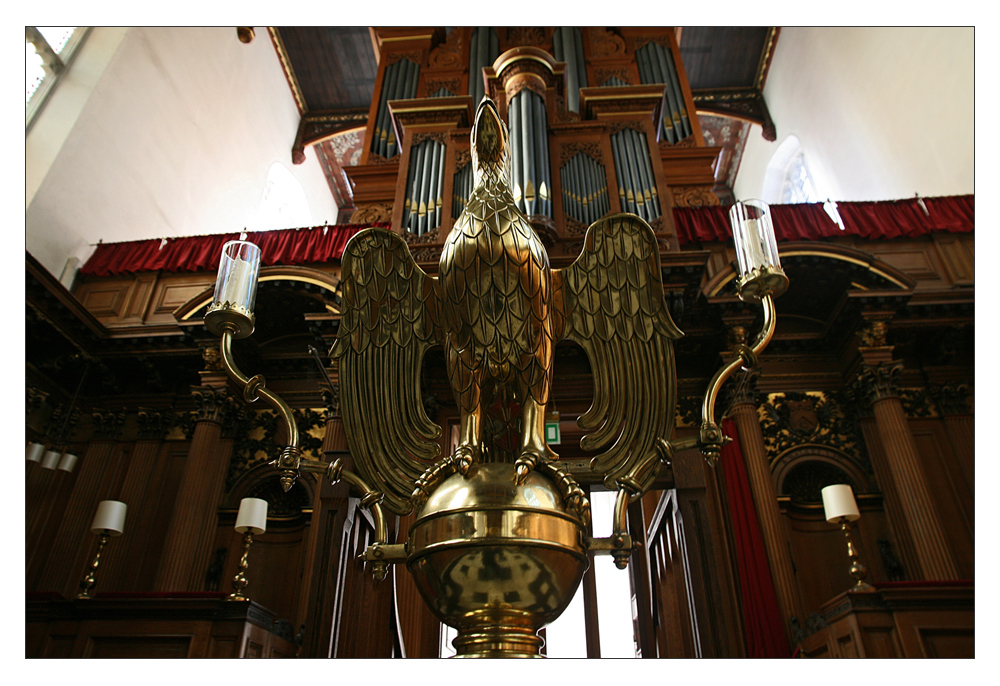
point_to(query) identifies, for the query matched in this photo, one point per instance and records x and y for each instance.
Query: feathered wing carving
(613, 306)
(389, 321)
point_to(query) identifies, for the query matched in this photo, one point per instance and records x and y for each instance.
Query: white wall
(176, 139)
(882, 113)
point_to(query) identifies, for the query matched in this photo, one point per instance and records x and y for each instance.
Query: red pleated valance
(810, 222)
(805, 222)
(201, 253)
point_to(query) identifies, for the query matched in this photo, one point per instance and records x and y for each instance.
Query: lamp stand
(240, 580)
(858, 570)
(89, 581)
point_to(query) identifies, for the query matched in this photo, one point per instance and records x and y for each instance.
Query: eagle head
(490, 143)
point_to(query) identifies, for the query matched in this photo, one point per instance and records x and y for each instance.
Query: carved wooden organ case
(601, 121)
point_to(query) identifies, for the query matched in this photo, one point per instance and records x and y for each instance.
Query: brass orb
(496, 560)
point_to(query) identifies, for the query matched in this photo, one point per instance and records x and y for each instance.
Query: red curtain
(809, 222)
(763, 625)
(806, 222)
(201, 253)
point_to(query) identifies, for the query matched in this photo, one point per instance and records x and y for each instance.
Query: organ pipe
(567, 46)
(484, 49)
(398, 83)
(422, 205)
(531, 180)
(636, 179)
(584, 189)
(656, 65)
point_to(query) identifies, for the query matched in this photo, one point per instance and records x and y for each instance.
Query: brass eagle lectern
(499, 543)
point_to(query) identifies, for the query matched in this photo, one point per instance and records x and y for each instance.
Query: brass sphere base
(495, 633)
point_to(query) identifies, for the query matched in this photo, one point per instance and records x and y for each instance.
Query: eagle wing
(613, 307)
(389, 321)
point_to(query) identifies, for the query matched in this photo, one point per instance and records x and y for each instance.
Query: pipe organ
(636, 187)
(656, 65)
(484, 48)
(531, 179)
(422, 206)
(595, 116)
(400, 83)
(584, 189)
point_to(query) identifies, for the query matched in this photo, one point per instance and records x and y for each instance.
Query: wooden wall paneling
(956, 252)
(173, 290)
(418, 627)
(674, 626)
(640, 581)
(46, 497)
(154, 516)
(952, 496)
(106, 299)
(74, 546)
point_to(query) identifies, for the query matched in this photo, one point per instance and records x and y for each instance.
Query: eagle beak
(488, 132)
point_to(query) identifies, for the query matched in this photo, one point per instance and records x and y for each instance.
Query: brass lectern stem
(89, 581)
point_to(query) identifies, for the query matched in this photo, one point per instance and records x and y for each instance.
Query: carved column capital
(212, 357)
(874, 332)
(951, 399)
(154, 423)
(742, 388)
(211, 403)
(108, 425)
(877, 382)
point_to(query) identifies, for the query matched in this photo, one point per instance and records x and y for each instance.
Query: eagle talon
(464, 458)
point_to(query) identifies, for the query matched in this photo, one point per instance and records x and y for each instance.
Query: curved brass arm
(253, 388)
(710, 436)
(380, 553)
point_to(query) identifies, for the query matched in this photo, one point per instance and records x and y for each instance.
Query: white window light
(48, 52)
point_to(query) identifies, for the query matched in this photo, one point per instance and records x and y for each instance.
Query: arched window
(787, 179)
(283, 204)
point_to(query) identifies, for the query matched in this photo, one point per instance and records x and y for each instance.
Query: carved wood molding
(569, 150)
(447, 55)
(606, 43)
(745, 104)
(374, 212)
(694, 196)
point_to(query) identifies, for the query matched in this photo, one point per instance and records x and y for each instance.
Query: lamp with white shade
(840, 507)
(251, 519)
(109, 521)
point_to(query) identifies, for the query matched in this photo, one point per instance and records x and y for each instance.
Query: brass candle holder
(841, 508)
(252, 519)
(108, 522)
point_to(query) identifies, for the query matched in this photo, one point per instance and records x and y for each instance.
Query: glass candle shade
(51, 459)
(235, 289)
(34, 452)
(110, 518)
(252, 516)
(760, 270)
(838, 501)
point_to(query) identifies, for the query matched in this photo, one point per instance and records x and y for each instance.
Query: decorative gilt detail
(256, 440)
(951, 399)
(689, 411)
(56, 432)
(154, 423)
(432, 236)
(210, 403)
(453, 86)
(569, 150)
(694, 196)
(519, 35)
(439, 136)
(447, 55)
(874, 333)
(621, 73)
(108, 425)
(916, 402)
(606, 43)
(743, 387)
(878, 382)
(788, 420)
(212, 358)
(462, 157)
(375, 212)
(415, 56)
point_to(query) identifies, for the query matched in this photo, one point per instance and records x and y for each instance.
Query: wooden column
(877, 383)
(120, 560)
(73, 542)
(323, 546)
(189, 543)
(744, 413)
